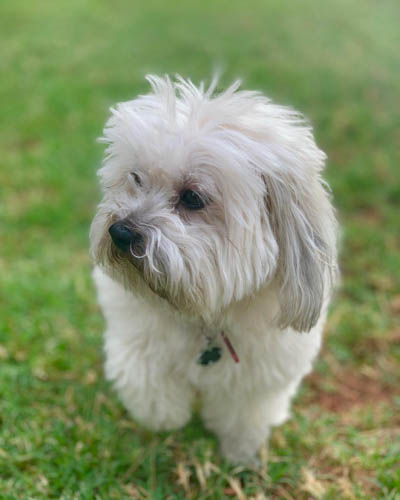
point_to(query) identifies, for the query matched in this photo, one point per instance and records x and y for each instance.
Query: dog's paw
(240, 453)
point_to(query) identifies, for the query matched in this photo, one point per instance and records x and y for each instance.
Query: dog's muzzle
(124, 237)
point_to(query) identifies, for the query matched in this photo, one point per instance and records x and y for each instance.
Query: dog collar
(213, 353)
(230, 347)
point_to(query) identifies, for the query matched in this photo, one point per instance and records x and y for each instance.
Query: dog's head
(208, 198)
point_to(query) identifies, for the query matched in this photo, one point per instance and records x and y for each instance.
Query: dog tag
(211, 355)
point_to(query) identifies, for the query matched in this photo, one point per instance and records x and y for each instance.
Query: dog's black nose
(123, 236)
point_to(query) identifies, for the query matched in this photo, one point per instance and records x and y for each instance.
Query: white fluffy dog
(215, 252)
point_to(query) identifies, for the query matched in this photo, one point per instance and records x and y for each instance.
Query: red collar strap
(230, 347)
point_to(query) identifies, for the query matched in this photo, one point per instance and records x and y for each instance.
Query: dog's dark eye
(138, 180)
(191, 200)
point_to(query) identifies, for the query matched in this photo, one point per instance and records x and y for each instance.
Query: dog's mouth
(136, 269)
(120, 254)
(138, 259)
(126, 252)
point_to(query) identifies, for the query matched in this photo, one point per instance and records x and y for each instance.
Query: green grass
(63, 433)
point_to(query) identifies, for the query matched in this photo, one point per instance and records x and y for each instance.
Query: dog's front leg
(153, 393)
(242, 422)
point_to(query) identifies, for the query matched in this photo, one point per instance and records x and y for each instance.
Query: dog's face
(208, 199)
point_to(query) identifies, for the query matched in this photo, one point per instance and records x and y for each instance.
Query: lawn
(63, 432)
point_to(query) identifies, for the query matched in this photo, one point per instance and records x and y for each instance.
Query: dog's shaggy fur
(255, 258)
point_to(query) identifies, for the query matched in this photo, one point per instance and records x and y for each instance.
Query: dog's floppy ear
(303, 222)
